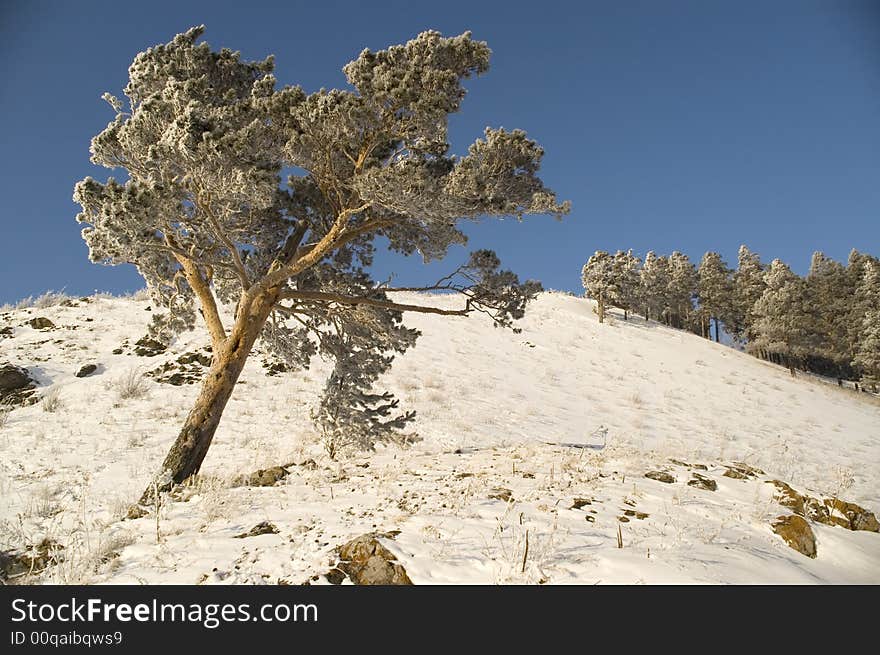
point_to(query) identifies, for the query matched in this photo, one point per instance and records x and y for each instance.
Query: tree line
(827, 322)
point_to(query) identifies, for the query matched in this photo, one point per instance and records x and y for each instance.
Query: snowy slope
(567, 409)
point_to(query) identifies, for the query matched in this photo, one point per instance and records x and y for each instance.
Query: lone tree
(203, 138)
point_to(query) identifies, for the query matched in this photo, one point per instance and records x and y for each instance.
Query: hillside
(543, 436)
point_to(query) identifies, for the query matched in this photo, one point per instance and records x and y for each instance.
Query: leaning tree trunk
(188, 452)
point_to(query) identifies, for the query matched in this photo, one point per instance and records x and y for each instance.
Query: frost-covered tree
(867, 313)
(867, 358)
(626, 274)
(831, 294)
(681, 290)
(202, 138)
(653, 285)
(748, 287)
(714, 291)
(784, 319)
(600, 282)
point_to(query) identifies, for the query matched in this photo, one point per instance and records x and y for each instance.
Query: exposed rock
(16, 385)
(117, 351)
(261, 528)
(41, 323)
(590, 518)
(367, 562)
(6, 332)
(33, 560)
(660, 476)
(850, 515)
(797, 533)
(147, 347)
(502, 494)
(623, 519)
(136, 512)
(195, 358)
(580, 502)
(262, 478)
(788, 497)
(702, 482)
(639, 515)
(275, 367)
(86, 370)
(741, 471)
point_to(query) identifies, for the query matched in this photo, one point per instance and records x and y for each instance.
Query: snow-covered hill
(543, 436)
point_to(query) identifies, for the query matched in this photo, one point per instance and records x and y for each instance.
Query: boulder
(367, 562)
(16, 385)
(797, 533)
(86, 370)
(41, 323)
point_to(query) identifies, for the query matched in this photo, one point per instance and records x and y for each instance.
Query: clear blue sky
(668, 124)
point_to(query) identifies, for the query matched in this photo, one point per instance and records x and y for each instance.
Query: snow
(566, 409)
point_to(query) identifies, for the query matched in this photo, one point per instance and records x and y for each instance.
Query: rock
(641, 516)
(86, 370)
(502, 494)
(117, 351)
(33, 560)
(741, 471)
(147, 347)
(367, 562)
(623, 519)
(261, 528)
(580, 502)
(16, 385)
(335, 576)
(6, 332)
(660, 476)
(195, 358)
(262, 478)
(702, 482)
(14, 378)
(136, 512)
(797, 533)
(590, 518)
(788, 497)
(41, 323)
(850, 515)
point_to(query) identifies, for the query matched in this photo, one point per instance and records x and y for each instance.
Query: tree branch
(303, 261)
(322, 296)
(233, 250)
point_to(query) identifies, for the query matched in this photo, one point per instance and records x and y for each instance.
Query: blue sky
(669, 125)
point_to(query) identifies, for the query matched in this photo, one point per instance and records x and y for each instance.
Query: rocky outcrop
(797, 533)
(828, 511)
(702, 482)
(16, 385)
(660, 476)
(365, 561)
(147, 347)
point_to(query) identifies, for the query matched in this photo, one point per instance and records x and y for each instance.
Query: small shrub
(132, 385)
(51, 401)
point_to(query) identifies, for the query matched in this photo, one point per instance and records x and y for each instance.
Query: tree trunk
(601, 306)
(188, 452)
(717, 338)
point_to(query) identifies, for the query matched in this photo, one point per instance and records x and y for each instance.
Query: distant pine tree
(682, 289)
(748, 286)
(784, 319)
(653, 285)
(867, 302)
(600, 282)
(714, 292)
(626, 274)
(831, 293)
